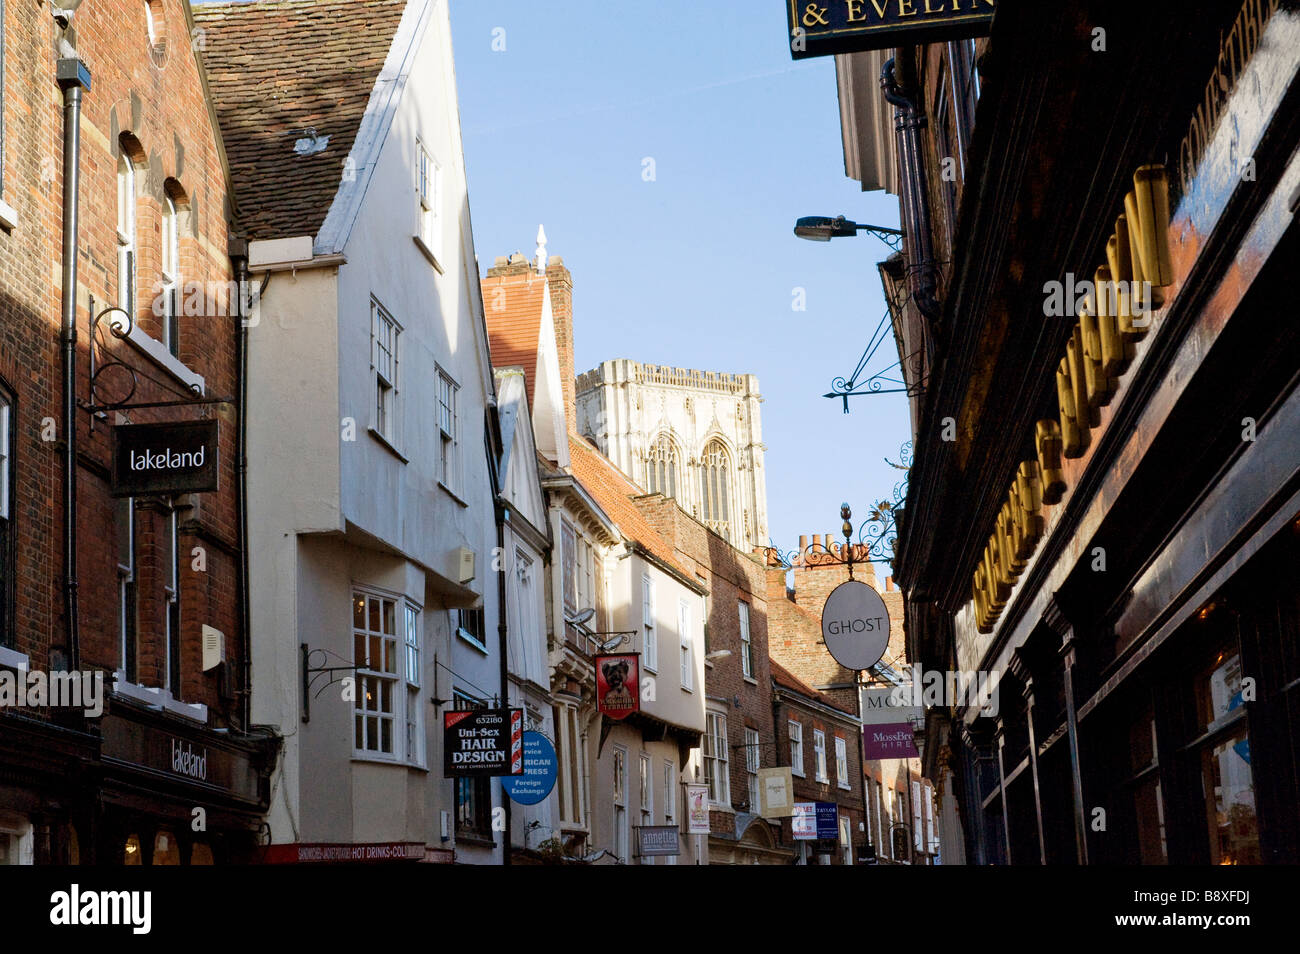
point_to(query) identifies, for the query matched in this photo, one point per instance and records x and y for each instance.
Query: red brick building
(820, 742)
(178, 774)
(738, 686)
(895, 803)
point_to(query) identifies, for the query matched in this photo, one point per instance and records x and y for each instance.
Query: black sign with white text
(482, 742)
(173, 458)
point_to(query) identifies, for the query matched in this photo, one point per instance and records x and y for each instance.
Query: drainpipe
(502, 515)
(909, 120)
(239, 256)
(73, 77)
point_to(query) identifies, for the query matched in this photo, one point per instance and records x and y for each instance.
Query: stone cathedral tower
(695, 436)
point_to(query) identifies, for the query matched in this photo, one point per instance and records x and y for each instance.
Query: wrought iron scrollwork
(875, 537)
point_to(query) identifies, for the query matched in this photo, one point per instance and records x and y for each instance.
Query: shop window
(166, 849)
(1226, 776)
(201, 853)
(131, 854)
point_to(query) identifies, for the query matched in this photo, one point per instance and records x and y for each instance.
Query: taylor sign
(847, 26)
(855, 625)
(173, 458)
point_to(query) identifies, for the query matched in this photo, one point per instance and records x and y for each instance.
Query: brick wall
(154, 103)
(808, 788)
(732, 577)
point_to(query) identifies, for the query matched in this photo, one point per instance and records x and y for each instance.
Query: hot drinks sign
(174, 458)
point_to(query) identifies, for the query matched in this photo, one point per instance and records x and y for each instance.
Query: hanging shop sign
(848, 26)
(812, 821)
(174, 458)
(656, 840)
(540, 767)
(855, 625)
(697, 809)
(889, 741)
(891, 706)
(482, 742)
(776, 792)
(618, 683)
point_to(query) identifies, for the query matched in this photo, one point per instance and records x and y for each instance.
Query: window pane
(1230, 802)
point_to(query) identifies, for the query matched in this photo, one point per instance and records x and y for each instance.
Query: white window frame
(842, 762)
(172, 597)
(428, 188)
(448, 417)
(385, 357)
(414, 715)
(619, 800)
(126, 233)
(125, 578)
(687, 646)
(746, 642)
(752, 764)
(717, 765)
(819, 753)
(385, 671)
(171, 276)
(917, 833)
(646, 784)
(846, 839)
(650, 642)
(457, 617)
(795, 731)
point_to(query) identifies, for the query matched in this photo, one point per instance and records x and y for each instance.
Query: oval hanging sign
(540, 765)
(855, 625)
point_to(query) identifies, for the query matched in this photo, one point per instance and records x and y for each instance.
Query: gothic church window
(661, 467)
(715, 465)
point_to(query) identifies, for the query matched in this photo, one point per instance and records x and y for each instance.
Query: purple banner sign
(889, 741)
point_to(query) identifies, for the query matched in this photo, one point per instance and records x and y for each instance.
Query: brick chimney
(560, 283)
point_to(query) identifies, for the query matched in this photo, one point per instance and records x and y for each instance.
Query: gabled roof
(788, 680)
(514, 321)
(290, 82)
(614, 492)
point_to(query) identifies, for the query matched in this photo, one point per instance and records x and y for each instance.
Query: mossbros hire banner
(482, 742)
(173, 458)
(847, 26)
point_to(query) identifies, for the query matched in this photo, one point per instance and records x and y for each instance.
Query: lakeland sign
(174, 458)
(847, 26)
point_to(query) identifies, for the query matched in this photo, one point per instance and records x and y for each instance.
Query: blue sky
(698, 267)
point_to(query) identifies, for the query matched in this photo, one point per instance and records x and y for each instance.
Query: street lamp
(822, 228)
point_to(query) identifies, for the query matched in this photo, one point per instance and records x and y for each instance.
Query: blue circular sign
(540, 766)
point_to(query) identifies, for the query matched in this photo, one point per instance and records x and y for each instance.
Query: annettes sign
(847, 26)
